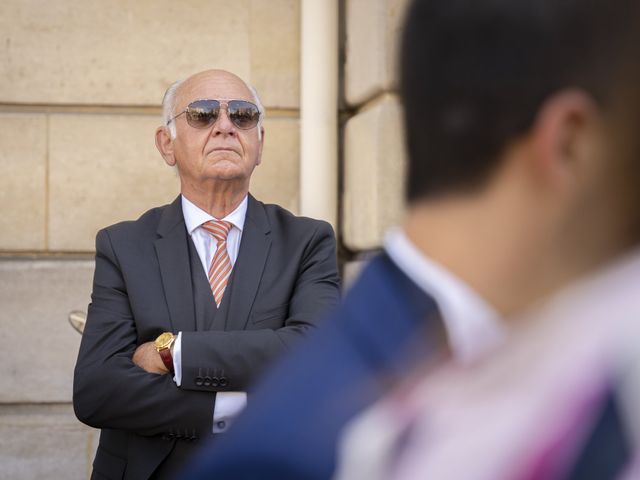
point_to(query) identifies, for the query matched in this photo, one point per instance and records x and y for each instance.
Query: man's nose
(223, 125)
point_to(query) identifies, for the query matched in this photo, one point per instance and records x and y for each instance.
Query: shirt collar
(473, 325)
(194, 216)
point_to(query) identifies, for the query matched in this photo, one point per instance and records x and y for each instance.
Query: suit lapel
(173, 258)
(393, 315)
(247, 271)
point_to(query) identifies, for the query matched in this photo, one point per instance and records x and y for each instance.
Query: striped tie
(220, 268)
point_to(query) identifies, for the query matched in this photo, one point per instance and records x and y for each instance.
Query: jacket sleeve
(235, 358)
(109, 390)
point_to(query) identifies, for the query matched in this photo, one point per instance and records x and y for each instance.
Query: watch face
(164, 340)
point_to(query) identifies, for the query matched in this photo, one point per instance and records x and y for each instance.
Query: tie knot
(218, 229)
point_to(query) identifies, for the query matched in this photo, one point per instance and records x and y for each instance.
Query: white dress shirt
(472, 325)
(228, 405)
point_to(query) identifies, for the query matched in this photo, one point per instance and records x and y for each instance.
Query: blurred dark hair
(474, 74)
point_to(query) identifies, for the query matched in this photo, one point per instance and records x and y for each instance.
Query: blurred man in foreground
(559, 401)
(522, 177)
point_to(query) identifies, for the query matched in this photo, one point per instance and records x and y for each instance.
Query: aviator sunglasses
(204, 113)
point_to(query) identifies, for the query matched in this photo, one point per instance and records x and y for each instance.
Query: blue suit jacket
(292, 424)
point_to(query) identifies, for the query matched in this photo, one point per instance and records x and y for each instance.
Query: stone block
(44, 441)
(23, 150)
(373, 174)
(275, 51)
(40, 347)
(372, 39)
(103, 169)
(126, 53)
(276, 180)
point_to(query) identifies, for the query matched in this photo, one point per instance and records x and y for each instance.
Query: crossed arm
(122, 384)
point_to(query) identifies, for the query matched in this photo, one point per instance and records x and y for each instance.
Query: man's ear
(565, 138)
(164, 144)
(260, 146)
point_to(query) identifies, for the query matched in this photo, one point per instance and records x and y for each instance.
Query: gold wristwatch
(163, 345)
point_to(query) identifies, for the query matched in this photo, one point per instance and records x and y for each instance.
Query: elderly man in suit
(191, 301)
(522, 176)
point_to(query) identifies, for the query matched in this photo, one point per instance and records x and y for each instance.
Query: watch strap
(167, 358)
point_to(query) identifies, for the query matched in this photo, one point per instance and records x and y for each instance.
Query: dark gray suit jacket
(146, 282)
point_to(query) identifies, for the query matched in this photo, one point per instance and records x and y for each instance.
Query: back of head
(474, 74)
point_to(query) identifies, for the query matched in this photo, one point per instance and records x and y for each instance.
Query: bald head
(180, 93)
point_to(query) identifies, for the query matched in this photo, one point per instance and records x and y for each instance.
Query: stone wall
(373, 150)
(80, 91)
(39, 434)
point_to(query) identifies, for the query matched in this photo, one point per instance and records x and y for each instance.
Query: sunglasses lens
(244, 115)
(203, 113)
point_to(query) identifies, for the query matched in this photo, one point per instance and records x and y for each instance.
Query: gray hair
(169, 107)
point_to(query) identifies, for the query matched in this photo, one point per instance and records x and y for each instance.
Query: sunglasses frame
(222, 104)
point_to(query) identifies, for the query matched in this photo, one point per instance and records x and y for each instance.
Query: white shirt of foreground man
(473, 326)
(496, 420)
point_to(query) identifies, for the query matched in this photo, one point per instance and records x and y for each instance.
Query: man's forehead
(222, 86)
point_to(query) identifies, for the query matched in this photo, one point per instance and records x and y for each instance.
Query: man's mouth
(223, 149)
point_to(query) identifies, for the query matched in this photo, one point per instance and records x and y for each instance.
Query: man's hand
(147, 357)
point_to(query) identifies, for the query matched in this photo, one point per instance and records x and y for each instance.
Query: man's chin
(225, 172)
